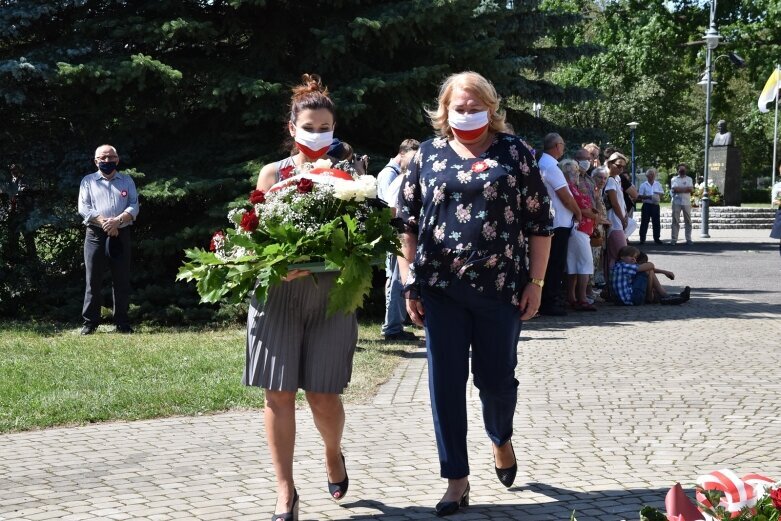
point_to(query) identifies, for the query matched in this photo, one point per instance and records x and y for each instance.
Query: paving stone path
(614, 407)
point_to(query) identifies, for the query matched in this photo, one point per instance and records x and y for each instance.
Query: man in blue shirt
(395, 307)
(108, 202)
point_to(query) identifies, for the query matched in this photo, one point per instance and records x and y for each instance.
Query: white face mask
(313, 144)
(583, 164)
(467, 121)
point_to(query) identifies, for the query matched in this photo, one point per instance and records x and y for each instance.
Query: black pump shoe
(446, 508)
(289, 516)
(339, 490)
(507, 476)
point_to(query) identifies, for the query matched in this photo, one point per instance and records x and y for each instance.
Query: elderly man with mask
(681, 187)
(650, 194)
(108, 202)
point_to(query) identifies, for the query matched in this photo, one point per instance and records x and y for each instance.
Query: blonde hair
(475, 84)
(569, 168)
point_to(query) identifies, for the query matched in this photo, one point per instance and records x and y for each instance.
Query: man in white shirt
(681, 187)
(565, 212)
(388, 184)
(650, 194)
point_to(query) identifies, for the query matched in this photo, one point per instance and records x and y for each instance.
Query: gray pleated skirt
(292, 344)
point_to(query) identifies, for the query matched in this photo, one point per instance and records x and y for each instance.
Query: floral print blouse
(471, 215)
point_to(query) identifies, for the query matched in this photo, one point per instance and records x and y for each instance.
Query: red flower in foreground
(285, 172)
(775, 497)
(217, 237)
(257, 197)
(249, 221)
(305, 186)
(479, 166)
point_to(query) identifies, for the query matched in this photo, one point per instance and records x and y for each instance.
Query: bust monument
(723, 137)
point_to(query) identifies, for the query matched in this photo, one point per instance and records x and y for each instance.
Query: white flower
(345, 190)
(439, 142)
(322, 163)
(464, 176)
(438, 166)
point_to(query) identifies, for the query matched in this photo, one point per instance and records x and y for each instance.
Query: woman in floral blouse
(472, 197)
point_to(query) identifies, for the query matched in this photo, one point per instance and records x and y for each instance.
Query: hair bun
(310, 83)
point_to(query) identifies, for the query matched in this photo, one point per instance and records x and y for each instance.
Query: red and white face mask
(468, 126)
(313, 144)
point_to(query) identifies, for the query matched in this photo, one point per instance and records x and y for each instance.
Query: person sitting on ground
(634, 282)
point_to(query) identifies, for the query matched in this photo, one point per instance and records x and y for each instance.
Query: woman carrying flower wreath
(471, 197)
(291, 341)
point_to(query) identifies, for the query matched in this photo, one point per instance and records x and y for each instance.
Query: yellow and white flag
(769, 92)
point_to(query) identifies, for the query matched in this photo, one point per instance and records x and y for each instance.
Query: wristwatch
(537, 282)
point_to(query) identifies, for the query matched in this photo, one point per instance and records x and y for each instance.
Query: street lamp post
(712, 37)
(632, 126)
(537, 108)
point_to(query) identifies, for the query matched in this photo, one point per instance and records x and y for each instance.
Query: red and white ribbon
(739, 493)
(330, 176)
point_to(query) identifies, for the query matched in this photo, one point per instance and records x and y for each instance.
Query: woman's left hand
(530, 301)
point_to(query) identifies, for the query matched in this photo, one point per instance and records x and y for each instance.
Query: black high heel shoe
(446, 508)
(507, 476)
(339, 490)
(289, 516)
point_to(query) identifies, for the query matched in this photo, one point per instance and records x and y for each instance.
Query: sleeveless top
(281, 166)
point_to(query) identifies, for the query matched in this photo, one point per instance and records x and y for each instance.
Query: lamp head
(633, 125)
(704, 81)
(712, 37)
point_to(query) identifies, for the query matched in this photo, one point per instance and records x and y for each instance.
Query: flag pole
(775, 131)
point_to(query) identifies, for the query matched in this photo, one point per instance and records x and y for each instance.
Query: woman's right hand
(295, 274)
(415, 311)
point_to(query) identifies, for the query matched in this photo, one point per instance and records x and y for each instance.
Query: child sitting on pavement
(634, 282)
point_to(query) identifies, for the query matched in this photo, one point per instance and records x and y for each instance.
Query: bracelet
(537, 282)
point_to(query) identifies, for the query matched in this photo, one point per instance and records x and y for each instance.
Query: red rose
(775, 497)
(479, 166)
(285, 172)
(249, 221)
(305, 186)
(257, 197)
(217, 237)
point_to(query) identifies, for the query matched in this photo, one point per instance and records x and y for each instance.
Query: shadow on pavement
(598, 505)
(707, 247)
(610, 315)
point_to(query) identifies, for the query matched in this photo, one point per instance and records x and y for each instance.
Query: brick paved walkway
(614, 407)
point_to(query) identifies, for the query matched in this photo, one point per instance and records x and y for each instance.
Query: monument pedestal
(724, 172)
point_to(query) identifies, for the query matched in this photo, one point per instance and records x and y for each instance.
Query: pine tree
(193, 94)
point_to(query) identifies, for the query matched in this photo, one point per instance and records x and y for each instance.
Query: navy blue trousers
(457, 318)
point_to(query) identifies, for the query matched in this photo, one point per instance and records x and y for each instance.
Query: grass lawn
(51, 376)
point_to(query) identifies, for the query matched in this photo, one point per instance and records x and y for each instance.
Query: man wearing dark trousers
(566, 211)
(651, 193)
(108, 202)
